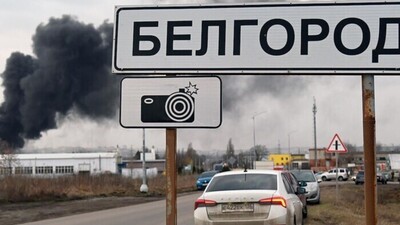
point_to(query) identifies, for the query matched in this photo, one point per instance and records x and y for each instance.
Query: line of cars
(343, 175)
(255, 197)
(380, 177)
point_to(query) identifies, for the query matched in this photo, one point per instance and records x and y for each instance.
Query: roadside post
(336, 146)
(171, 175)
(370, 192)
(341, 38)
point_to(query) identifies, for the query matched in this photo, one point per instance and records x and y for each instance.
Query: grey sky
(286, 100)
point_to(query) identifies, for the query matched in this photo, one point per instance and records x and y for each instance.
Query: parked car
(312, 188)
(359, 177)
(380, 177)
(318, 176)
(296, 184)
(249, 197)
(204, 179)
(343, 174)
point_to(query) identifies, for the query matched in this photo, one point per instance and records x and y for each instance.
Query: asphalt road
(152, 213)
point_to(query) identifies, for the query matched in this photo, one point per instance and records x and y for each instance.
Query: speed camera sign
(163, 102)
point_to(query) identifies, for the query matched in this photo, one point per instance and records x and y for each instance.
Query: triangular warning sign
(336, 145)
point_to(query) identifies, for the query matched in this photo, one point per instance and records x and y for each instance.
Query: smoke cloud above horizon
(70, 73)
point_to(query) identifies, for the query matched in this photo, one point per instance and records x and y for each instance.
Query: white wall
(95, 163)
(138, 173)
(394, 161)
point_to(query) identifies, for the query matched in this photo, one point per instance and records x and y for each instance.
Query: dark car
(379, 178)
(204, 179)
(359, 178)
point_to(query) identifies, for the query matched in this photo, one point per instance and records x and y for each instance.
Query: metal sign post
(171, 174)
(337, 173)
(370, 193)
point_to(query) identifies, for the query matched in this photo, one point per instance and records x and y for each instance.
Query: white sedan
(249, 197)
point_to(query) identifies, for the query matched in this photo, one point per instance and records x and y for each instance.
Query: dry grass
(350, 209)
(27, 189)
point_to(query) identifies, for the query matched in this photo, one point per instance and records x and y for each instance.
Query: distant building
(324, 160)
(60, 163)
(281, 161)
(134, 168)
(299, 161)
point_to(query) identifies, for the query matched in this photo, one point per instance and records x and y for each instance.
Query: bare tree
(7, 158)
(260, 152)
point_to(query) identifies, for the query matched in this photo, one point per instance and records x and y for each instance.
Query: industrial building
(60, 163)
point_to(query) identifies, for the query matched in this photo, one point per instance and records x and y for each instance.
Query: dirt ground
(28, 212)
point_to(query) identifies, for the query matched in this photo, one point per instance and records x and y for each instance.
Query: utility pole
(279, 146)
(291, 132)
(315, 134)
(254, 138)
(144, 188)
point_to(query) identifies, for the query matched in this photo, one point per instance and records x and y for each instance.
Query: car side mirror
(319, 180)
(301, 191)
(302, 183)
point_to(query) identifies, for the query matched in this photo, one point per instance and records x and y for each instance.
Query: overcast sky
(285, 102)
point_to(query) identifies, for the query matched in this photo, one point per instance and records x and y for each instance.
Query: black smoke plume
(70, 72)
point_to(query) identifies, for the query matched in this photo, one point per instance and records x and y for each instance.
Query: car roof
(275, 172)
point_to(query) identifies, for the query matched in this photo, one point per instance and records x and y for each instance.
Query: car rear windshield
(306, 176)
(243, 182)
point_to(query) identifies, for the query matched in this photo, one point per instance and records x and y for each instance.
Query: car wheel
(324, 179)
(340, 178)
(356, 183)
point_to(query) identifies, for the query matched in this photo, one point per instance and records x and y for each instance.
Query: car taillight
(204, 203)
(277, 200)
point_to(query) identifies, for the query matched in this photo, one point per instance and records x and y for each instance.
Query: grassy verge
(28, 189)
(350, 207)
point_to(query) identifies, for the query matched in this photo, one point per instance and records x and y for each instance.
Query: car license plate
(238, 207)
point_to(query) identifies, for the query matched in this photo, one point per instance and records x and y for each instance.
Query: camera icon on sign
(177, 107)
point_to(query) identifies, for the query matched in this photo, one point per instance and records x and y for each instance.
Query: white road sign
(162, 102)
(281, 38)
(336, 145)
